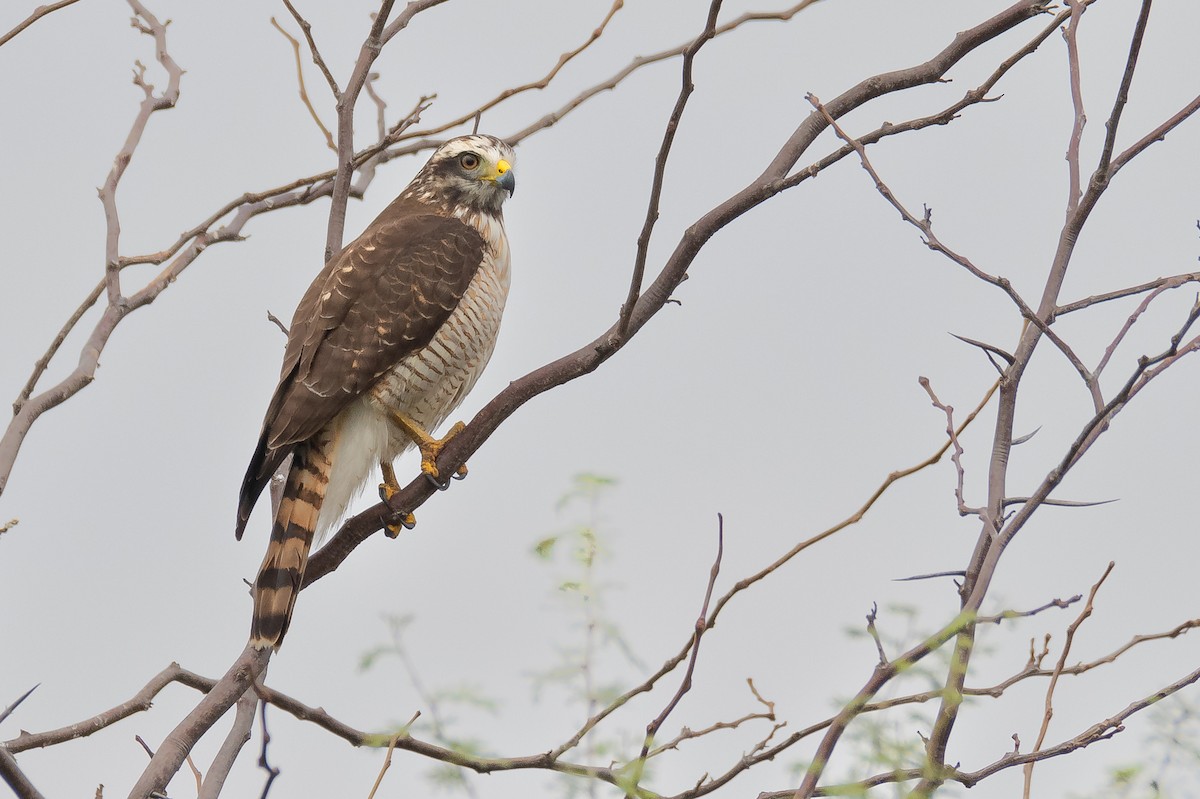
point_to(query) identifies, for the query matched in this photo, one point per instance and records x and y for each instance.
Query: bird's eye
(468, 160)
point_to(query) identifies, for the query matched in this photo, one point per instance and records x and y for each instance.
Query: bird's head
(475, 171)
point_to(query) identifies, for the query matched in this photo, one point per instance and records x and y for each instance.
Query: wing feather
(382, 298)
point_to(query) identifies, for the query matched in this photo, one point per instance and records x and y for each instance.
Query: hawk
(386, 342)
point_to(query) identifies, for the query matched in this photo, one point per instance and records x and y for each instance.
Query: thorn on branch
(1022, 439)
(8, 710)
(929, 576)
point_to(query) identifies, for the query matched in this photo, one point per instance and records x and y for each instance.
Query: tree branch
(37, 14)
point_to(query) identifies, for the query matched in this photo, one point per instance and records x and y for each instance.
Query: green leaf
(544, 549)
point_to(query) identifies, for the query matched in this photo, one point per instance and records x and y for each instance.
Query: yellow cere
(502, 166)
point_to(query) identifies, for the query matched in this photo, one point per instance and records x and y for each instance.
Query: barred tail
(282, 570)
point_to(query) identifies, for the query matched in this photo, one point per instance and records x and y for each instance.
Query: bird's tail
(282, 570)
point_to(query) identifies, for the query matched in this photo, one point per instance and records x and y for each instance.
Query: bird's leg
(430, 447)
(389, 488)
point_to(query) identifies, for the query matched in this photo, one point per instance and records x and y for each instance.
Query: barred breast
(427, 385)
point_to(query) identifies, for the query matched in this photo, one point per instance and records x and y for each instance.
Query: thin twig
(1175, 281)
(534, 85)
(1114, 119)
(1158, 134)
(39, 368)
(686, 684)
(263, 762)
(306, 27)
(1048, 714)
(763, 573)
(688, 735)
(956, 456)
(1079, 119)
(312, 112)
(37, 14)
(347, 101)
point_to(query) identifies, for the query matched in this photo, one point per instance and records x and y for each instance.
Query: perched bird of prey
(386, 342)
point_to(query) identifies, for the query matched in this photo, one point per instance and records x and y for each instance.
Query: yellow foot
(430, 447)
(388, 489)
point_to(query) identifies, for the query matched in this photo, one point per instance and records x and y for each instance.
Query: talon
(407, 522)
(430, 447)
(439, 486)
(388, 489)
(460, 473)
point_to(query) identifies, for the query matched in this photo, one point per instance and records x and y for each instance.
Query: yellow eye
(468, 160)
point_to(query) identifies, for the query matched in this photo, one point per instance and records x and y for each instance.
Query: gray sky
(780, 392)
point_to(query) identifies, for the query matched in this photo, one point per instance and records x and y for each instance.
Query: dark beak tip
(508, 182)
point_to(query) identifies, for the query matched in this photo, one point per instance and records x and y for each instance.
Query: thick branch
(171, 753)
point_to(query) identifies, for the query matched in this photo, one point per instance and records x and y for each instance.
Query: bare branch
(263, 763)
(633, 66)
(591, 356)
(140, 702)
(15, 778)
(1101, 731)
(687, 734)
(1156, 135)
(701, 625)
(306, 27)
(540, 83)
(956, 457)
(660, 167)
(231, 747)
(1022, 614)
(312, 112)
(1114, 119)
(307, 189)
(380, 105)
(1071, 36)
(404, 17)
(171, 753)
(150, 104)
(387, 763)
(346, 103)
(39, 368)
(1072, 628)
(37, 14)
(1175, 281)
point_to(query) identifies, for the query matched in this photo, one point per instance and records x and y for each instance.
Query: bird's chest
(431, 382)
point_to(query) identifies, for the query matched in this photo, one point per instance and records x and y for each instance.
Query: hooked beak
(506, 179)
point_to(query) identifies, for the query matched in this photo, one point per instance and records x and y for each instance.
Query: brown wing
(382, 298)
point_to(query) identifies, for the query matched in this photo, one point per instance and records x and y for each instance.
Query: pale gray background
(780, 393)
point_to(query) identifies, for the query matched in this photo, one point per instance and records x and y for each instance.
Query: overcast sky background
(780, 392)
